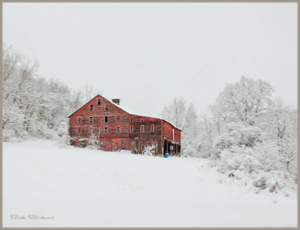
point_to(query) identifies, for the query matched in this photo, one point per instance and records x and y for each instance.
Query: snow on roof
(123, 108)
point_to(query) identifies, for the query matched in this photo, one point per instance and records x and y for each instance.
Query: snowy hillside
(88, 188)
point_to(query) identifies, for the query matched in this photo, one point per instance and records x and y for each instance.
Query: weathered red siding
(171, 132)
(112, 141)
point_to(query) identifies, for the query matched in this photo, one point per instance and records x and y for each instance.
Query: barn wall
(98, 124)
(140, 140)
(168, 133)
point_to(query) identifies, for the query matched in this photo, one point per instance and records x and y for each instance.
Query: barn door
(165, 147)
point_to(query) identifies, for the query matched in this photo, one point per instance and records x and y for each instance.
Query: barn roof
(123, 108)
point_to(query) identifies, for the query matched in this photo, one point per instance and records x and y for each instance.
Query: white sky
(147, 53)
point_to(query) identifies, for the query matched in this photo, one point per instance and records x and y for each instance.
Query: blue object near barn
(166, 155)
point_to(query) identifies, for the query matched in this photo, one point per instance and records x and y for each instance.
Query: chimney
(116, 101)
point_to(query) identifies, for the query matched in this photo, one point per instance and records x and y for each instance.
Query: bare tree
(219, 116)
(10, 61)
(185, 118)
(89, 92)
(282, 127)
(174, 112)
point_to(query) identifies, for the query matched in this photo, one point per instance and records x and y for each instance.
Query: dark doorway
(165, 147)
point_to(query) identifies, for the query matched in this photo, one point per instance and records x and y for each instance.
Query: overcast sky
(148, 53)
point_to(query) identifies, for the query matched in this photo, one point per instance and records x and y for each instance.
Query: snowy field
(76, 187)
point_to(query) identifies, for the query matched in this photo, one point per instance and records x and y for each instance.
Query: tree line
(245, 132)
(33, 105)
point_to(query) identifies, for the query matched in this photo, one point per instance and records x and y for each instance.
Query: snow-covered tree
(206, 133)
(32, 105)
(281, 124)
(185, 117)
(238, 135)
(219, 115)
(253, 134)
(246, 100)
(18, 83)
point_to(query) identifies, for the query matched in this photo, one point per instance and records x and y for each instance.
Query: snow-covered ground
(88, 188)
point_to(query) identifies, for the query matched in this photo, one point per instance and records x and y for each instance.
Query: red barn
(117, 128)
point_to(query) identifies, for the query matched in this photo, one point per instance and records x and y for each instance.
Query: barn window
(91, 129)
(105, 130)
(142, 128)
(91, 119)
(118, 129)
(142, 120)
(131, 128)
(131, 119)
(99, 102)
(78, 119)
(79, 130)
(106, 119)
(123, 142)
(91, 107)
(106, 107)
(152, 128)
(118, 118)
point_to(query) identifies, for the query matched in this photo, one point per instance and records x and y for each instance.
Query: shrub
(238, 135)
(93, 142)
(149, 150)
(237, 161)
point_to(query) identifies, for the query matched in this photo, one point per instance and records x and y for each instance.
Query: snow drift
(91, 188)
